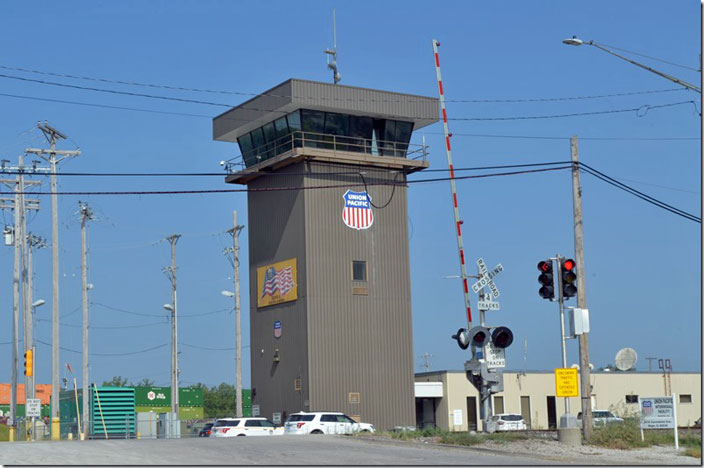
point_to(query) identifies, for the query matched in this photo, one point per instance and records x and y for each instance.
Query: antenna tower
(332, 64)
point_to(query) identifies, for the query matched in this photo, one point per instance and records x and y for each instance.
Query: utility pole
(584, 372)
(86, 215)
(19, 205)
(235, 232)
(171, 272)
(426, 361)
(49, 155)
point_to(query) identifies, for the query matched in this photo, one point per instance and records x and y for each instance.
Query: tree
(116, 381)
(145, 382)
(218, 401)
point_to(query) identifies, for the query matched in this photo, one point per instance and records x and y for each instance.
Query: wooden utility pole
(584, 371)
(235, 231)
(19, 206)
(86, 214)
(49, 156)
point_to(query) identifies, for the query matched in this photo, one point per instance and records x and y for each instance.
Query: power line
(106, 354)
(239, 93)
(642, 110)
(569, 98)
(653, 58)
(592, 171)
(538, 137)
(641, 195)
(211, 349)
(106, 328)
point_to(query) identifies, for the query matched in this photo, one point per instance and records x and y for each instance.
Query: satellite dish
(626, 359)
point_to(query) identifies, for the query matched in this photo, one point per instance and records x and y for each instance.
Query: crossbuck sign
(487, 279)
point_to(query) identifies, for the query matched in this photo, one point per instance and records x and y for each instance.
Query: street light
(575, 41)
(238, 357)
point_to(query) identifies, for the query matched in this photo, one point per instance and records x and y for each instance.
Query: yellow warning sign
(566, 383)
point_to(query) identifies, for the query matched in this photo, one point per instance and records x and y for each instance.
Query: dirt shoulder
(548, 448)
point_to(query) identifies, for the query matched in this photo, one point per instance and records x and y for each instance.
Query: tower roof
(296, 94)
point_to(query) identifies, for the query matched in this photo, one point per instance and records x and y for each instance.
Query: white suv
(324, 423)
(231, 427)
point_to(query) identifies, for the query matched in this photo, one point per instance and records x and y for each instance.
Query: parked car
(324, 422)
(205, 430)
(602, 417)
(232, 427)
(506, 422)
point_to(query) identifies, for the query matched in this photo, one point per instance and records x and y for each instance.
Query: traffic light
(502, 337)
(478, 336)
(462, 338)
(547, 291)
(28, 363)
(569, 278)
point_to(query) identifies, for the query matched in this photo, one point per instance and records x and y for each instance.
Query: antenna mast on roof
(332, 64)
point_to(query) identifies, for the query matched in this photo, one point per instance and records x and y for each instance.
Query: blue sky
(643, 270)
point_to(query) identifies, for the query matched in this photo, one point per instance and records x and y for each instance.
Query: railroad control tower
(330, 296)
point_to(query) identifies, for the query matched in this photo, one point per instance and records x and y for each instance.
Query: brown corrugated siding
(337, 342)
(359, 343)
(276, 233)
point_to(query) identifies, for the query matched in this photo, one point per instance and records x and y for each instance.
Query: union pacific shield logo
(357, 212)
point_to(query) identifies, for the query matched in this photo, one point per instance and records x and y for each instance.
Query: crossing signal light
(569, 278)
(502, 337)
(478, 336)
(547, 291)
(462, 338)
(28, 363)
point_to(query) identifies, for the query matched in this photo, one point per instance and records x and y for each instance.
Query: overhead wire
(106, 354)
(239, 93)
(641, 195)
(652, 58)
(644, 108)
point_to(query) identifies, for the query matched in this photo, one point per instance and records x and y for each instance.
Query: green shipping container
(161, 396)
(152, 396)
(190, 397)
(190, 412)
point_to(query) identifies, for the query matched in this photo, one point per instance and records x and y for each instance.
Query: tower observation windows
(326, 130)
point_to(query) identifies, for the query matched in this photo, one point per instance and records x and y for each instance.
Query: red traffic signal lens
(545, 266)
(568, 265)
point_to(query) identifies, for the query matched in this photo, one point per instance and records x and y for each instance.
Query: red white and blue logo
(277, 329)
(647, 409)
(357, 212)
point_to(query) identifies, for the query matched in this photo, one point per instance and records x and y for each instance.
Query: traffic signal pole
(561, 302)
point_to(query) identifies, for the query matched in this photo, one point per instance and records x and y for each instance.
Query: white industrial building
(447, 400)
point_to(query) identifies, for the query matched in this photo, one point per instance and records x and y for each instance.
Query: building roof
(296, 94)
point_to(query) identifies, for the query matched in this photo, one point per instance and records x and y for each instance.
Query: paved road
(280, 450)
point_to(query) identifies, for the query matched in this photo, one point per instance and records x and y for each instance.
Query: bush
(461, 438)
(624, 436)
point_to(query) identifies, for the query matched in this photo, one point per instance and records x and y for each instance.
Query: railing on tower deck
(300, 139)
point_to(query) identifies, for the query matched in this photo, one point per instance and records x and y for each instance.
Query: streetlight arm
(664, 75)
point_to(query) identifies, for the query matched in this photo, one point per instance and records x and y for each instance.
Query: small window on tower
(359, 270)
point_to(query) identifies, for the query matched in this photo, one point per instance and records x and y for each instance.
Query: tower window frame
(359, 270)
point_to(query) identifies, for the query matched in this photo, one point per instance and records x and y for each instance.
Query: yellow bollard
(139, 435)
(55, 429)
(12, 433)
(70, 436)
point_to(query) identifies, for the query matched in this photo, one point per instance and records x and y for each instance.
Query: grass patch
(626, 436)
(457, 438)
(622, 436)
(4, 433)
